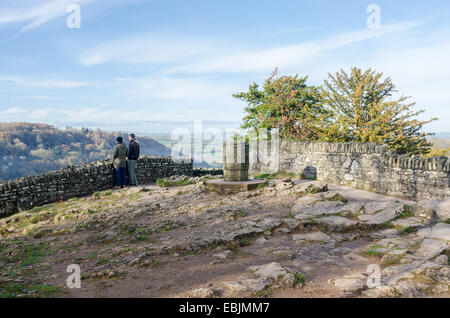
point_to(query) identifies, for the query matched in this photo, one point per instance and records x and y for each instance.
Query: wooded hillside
(29, 148)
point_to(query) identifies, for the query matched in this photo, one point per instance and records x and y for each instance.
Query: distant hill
(443, 135)
(29, 149)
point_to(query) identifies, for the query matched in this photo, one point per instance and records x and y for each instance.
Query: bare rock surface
(337, 223)
(438, 209)
(287, 239)
(314, 237)
(439, 231)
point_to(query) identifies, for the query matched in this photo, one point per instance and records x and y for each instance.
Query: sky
(134, 62)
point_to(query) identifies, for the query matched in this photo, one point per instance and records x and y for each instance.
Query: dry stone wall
(367, 166)
(28, 192)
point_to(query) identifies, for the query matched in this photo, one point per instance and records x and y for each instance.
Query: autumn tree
(286, 103)
(365, 110)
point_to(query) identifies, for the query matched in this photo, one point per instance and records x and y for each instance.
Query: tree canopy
(286, 103)
(359, 107)
(365, 110)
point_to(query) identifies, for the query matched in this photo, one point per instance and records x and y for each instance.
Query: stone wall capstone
(28, 192)
(368, 166)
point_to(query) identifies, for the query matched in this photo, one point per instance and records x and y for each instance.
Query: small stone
(224, 255)
(310, 187)
(201, 293)
(314, 237)
(350, 285)
(379, 292)
(442, 260)
(432, 209)
(261, 241)
(282, 231)
(272, 270)
(287, 281)
(334, 196)
(234, 289)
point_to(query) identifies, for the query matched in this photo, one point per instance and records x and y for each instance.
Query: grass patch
(156, 262)
(167, 226)
(99, 194)
(244, 242)
(393, 260)
(313, 221)
(141, 238)
(406, 230)
(374, 250)
(68, 247)
(416, 245)
(189, 253)
(273, 176)
(92, 255)
(299, 279)
(375, 253)
(290, 215)
(265, 176)
(387, 225)
(11, 290)
(350, 215)
(304, 177)
(407, 212)
(32, 254)
(265, 293)
(103, 261)
(165, 183)
(41, 208)
(134, 195)
(240, 214)
(262, 185)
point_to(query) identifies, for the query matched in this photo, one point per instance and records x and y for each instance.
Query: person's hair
(119, 140)
(132, 135)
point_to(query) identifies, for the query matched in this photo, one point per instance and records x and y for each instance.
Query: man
(120, 154)
(133, 156)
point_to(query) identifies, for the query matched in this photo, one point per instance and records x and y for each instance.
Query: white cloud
(79, 114)
(12, 111)
(145, 48)
(41, 97)
(291, 55)
(43, 83)
(26, 11)
(185, 89)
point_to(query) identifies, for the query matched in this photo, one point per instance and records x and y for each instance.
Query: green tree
(437, 151)
(365, 111)
(286, 103)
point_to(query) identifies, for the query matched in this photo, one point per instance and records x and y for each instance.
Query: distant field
(197, 149)
(441, 142)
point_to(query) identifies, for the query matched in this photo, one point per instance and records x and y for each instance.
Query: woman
(120, 155)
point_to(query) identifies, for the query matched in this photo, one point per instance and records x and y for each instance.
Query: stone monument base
(229, 187)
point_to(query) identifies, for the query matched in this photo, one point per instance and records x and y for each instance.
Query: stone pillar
(235, 160)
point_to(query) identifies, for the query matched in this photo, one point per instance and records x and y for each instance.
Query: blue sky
(164, 60)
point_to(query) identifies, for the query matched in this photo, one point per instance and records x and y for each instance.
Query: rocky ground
(286, 239)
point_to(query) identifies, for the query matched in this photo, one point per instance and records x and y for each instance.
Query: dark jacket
(133, 150)
(120, 154)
